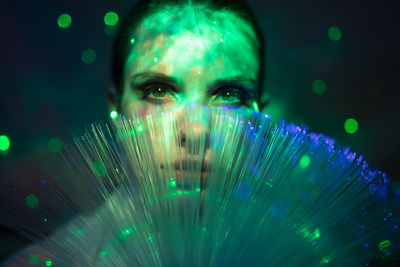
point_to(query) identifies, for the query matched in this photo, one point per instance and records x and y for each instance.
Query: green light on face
(49, 263)
(4, 143)
(111, 18)
(55, 145)
(32, 201)
(88, 56)
(155, 59)
(79, 232)
(255, 106)
(114, 114)
(319, 87)
(304, 161)
(64, 21)
(335, 34)
(33, 259)
(351, 126)
(132, 41)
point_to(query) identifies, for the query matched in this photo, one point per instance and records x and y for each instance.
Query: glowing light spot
(88, 56)
(33, 259)
(111, 18)
(198, 189)
(4, 143)
(255, 106)
(316, 233)
(126, 231)
(55, 145)
(45, 219)
(351, 126)
(140, 128)
(64, 21)
(319, 87)
(384, 245)
(324, 260)
(155, 59)
(99, 168)
(32, 201)
(48, 263)
(172, 182)
(221, 40)
(304, 161)
(132, 40)
(114, 114)
(279, 209)
(335, 34)
(104, 253)
(79, 232)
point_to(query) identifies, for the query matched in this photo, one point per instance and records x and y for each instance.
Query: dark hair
(144, 8)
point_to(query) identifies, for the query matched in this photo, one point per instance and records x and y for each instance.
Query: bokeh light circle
(319, 87)
(88, 56)
(335, 34)
(351, 126)
(64, 21)
(4, 143)
(111, 18)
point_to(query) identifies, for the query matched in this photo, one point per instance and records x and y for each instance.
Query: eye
(158, 92)
(230, 95)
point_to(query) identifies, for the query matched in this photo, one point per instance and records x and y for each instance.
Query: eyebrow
(248, 82)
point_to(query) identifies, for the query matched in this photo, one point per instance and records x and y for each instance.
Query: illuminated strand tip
(55, 145)
(4, 143)
(33, 260)
(45, 219)
(114, 114)
(324, 260)
(32, 201)
(172, 182)
(140, 128)
(48, 263)
(351, 126)
(88, 56)
(335, 34)
(111, 18)
(319, 87)
(64, 21)
(255, 107)
(104, 253)
(79, 232)
(132, 41)
(304, 161)
(155, 59)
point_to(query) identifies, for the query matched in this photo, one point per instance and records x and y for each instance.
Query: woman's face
(181, 56)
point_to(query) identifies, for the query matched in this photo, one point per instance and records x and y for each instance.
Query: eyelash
(238, 90)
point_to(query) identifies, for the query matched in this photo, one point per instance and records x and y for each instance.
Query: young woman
(181, 53)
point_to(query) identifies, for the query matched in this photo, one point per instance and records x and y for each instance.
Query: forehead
(189, 41)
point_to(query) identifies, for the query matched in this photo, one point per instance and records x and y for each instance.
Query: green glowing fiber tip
(155, 59)
(114, 114)
(319, 87)
(55, 145)
(88, 56)
(104, 253)
(49, 263)
(335, 34)
(4, 143)
(32, 201)
(111, 18)
(140, 128)
(45, 219)
(132, 40)
(64, 21)
(351, 126)
(255, 107)
(79, 232)
(304, 161)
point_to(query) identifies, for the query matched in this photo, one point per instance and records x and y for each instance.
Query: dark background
(48, 91)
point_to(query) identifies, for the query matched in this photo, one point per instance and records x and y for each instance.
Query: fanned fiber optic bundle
(240, 192)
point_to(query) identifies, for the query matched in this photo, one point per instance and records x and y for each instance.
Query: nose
(194, 132)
